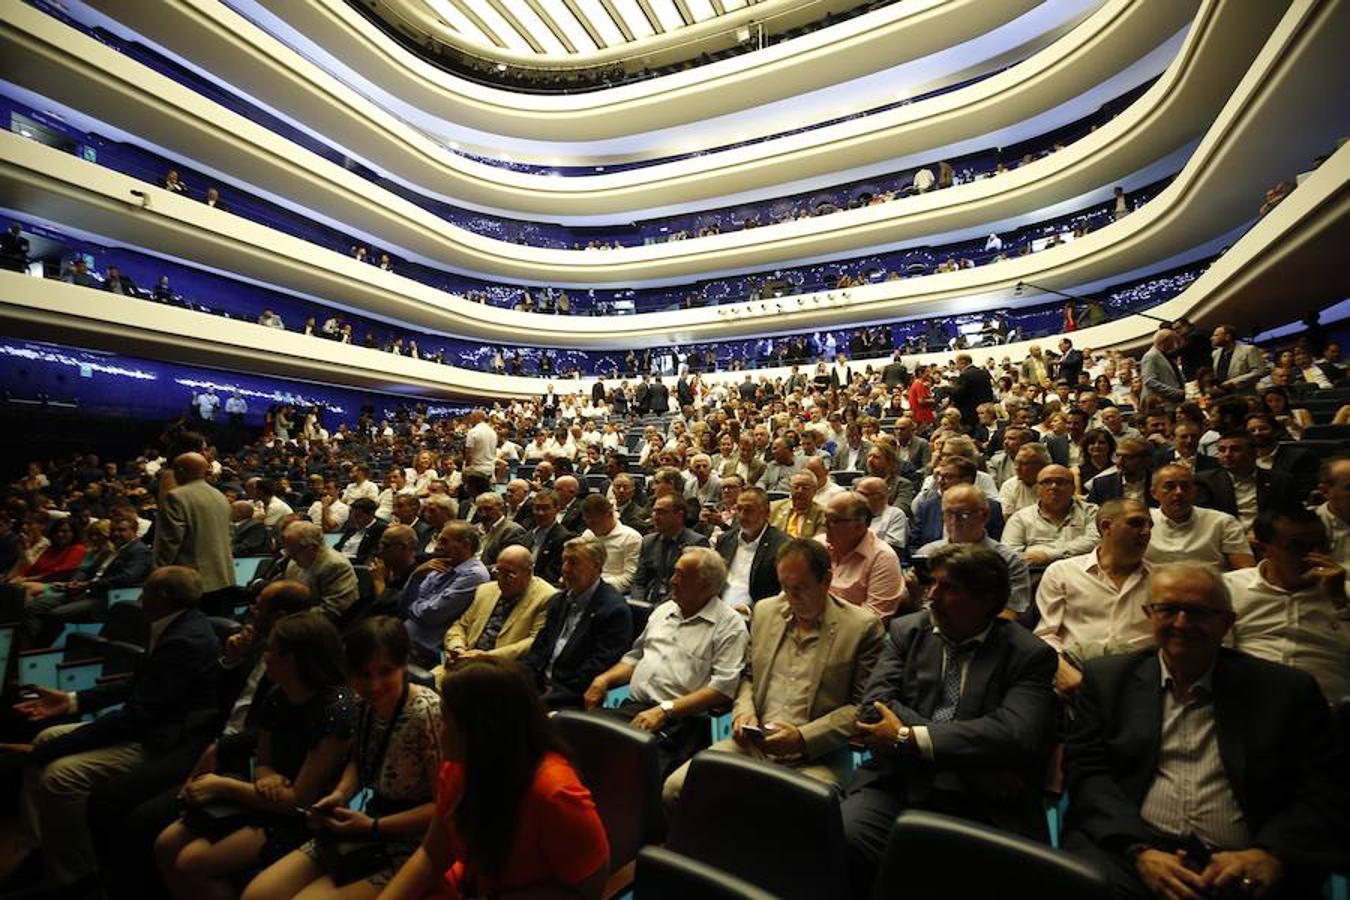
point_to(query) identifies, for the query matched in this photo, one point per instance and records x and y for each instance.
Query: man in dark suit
(1131, 478)
(973, 387)
(958, 712)
(658, 398)
(1070, 364)
(642, 397)
(756, 538)
(170, 700)
(1199, 771)
(361, 536)
(1184, 449)
(545, 541)
(249, 536)
(1239, 487)
(588, 628)
(684, 392)
(568, 491)
(627, 509)
(895, 373)
(661, 548)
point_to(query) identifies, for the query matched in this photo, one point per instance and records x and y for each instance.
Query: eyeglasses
(1168, 612)
(960, 515)
(1055, 482)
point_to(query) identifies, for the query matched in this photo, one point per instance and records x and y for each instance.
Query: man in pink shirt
(866, 571)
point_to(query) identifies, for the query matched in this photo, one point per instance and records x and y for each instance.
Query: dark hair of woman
(312, 641)
(505, 733)
(373, 636)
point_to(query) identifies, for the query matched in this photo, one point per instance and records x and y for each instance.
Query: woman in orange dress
(512, 818)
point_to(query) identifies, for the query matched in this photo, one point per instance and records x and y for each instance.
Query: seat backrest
(947, 845)
(6, 648)
(762, 822)
(619, 765)
(666, 875)
(133, 594)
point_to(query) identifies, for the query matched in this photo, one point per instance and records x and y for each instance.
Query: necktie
(1225, 360)
(952, 655)
(794, 524)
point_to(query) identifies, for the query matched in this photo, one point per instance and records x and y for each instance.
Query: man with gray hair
(328, 574)
(248, 536)
(193, 528)
(1197, 770)
(687, 661)
(1159, 371)
(437, 511)
(499, 532)
(428, 606)
(1019, 491)
(965, 517)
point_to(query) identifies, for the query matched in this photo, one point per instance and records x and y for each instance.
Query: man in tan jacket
(809, 660)
(505, 614)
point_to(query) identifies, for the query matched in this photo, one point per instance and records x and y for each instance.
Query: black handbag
(217, 818)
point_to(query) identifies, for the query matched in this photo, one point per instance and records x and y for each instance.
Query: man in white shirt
(1059, 525)
(361, 486)
(1019, 491)
(622, 544)
(1093, 605)
(888, 523)
(1186, 533)
(826, 489)
(269, 319)
(267, 505)
(750, 550)
(480, 448)
(207, 403)
(329, 512)
(1335, 512)
(1292, 608)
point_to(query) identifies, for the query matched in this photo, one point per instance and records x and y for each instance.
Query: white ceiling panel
(485, 11)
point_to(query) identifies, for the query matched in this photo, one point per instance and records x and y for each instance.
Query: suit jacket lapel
(829, 630)
(1146, 691)
(1228, 721)
(773, 635)
(977, 675)
(927, 661)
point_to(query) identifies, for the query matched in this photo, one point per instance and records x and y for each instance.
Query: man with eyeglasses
(1198, 771)
(1019, 491)
(888, 522)
(1092, 605)
(1291, 608)
(866, 570)
(1129, 479)
(965, 518)
(661, 549)
(1184, 532)
(1058, 525)
(505, 615)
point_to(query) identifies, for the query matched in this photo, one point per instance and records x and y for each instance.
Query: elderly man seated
(499, 532)
(889, 523)
(866, 571)
(1197, 771)
(361, 536)
(810, 656)
(966, 511)
(1057, 525)
(750, 549)
(798, 515)
(661, 548)
(248, 535)
(1184, 532)
(1093, 605)
(505, 615)
(947, 473)
(328, 574)
(686, 662)
(1020, 491)
(440, 590)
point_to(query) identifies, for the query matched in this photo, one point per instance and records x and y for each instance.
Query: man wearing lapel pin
(810, 655)
(958, 714)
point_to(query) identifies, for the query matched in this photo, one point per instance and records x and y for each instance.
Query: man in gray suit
(328, 574)
(499, 532)
(1159, 373)
(192, 528)
(1237, 366)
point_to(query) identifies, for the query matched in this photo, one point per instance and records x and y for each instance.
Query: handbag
(217, 818)
(347, 859)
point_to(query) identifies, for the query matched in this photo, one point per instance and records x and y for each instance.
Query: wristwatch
(903, 737)
(668, 707)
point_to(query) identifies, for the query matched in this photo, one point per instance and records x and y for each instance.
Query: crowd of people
(1130, 574)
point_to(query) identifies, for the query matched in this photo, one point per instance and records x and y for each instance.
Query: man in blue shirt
(440, 596)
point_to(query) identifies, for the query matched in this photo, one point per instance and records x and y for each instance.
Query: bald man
(192, 528)
(1058, 525)
(506, 613)
(248, 536)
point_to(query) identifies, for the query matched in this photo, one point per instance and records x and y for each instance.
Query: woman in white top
(421, 475)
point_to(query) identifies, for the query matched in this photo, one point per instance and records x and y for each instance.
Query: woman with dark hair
(1275, 403)
(1099, 454)
(60, 559)
(231, 826)
(97, 549)
(511, 814)
(395, 754)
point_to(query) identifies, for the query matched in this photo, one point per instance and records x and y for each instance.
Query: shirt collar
(976, 639)
(584, 597)
(1205, 682)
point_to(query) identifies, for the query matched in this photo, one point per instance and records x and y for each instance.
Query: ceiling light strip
(487, 13)
(635, 21)
(563, 21)
(456, 19)
(523, 16)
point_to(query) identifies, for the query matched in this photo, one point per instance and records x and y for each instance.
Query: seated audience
(1184, 532)
(1057, 525)
(750, 549)
(1291, 608)
(432, 602)
(505, 615)
(1335, 508)
(395, 753)
(360, 537)
(865, 570)
(958, 713)
(798, 515)
(686, 662)
(1197, 771)
(169, 701)
(622, 544)
(1239, 487)
(547, 537)
(327, 573)
(889, 523)
(392, 565)
(660, 550)
(966, 511)
(1093, 605)
(231, 824)
(500, 753)
(248, 536)
(948, 473)
(802, 722)
(587, 628)
(1129, 479)
(1020, 490)
(498, 531)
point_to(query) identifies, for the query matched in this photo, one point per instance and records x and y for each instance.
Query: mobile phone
(753, 732)
(27, 692)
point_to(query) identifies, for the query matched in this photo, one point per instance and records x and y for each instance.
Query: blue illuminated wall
(107, 384)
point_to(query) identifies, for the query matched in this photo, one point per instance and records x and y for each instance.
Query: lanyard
(370, 775)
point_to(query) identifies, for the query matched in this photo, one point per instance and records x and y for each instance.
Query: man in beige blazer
(505, 614)
(809, 659)
(192, 527)
(799, 515)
